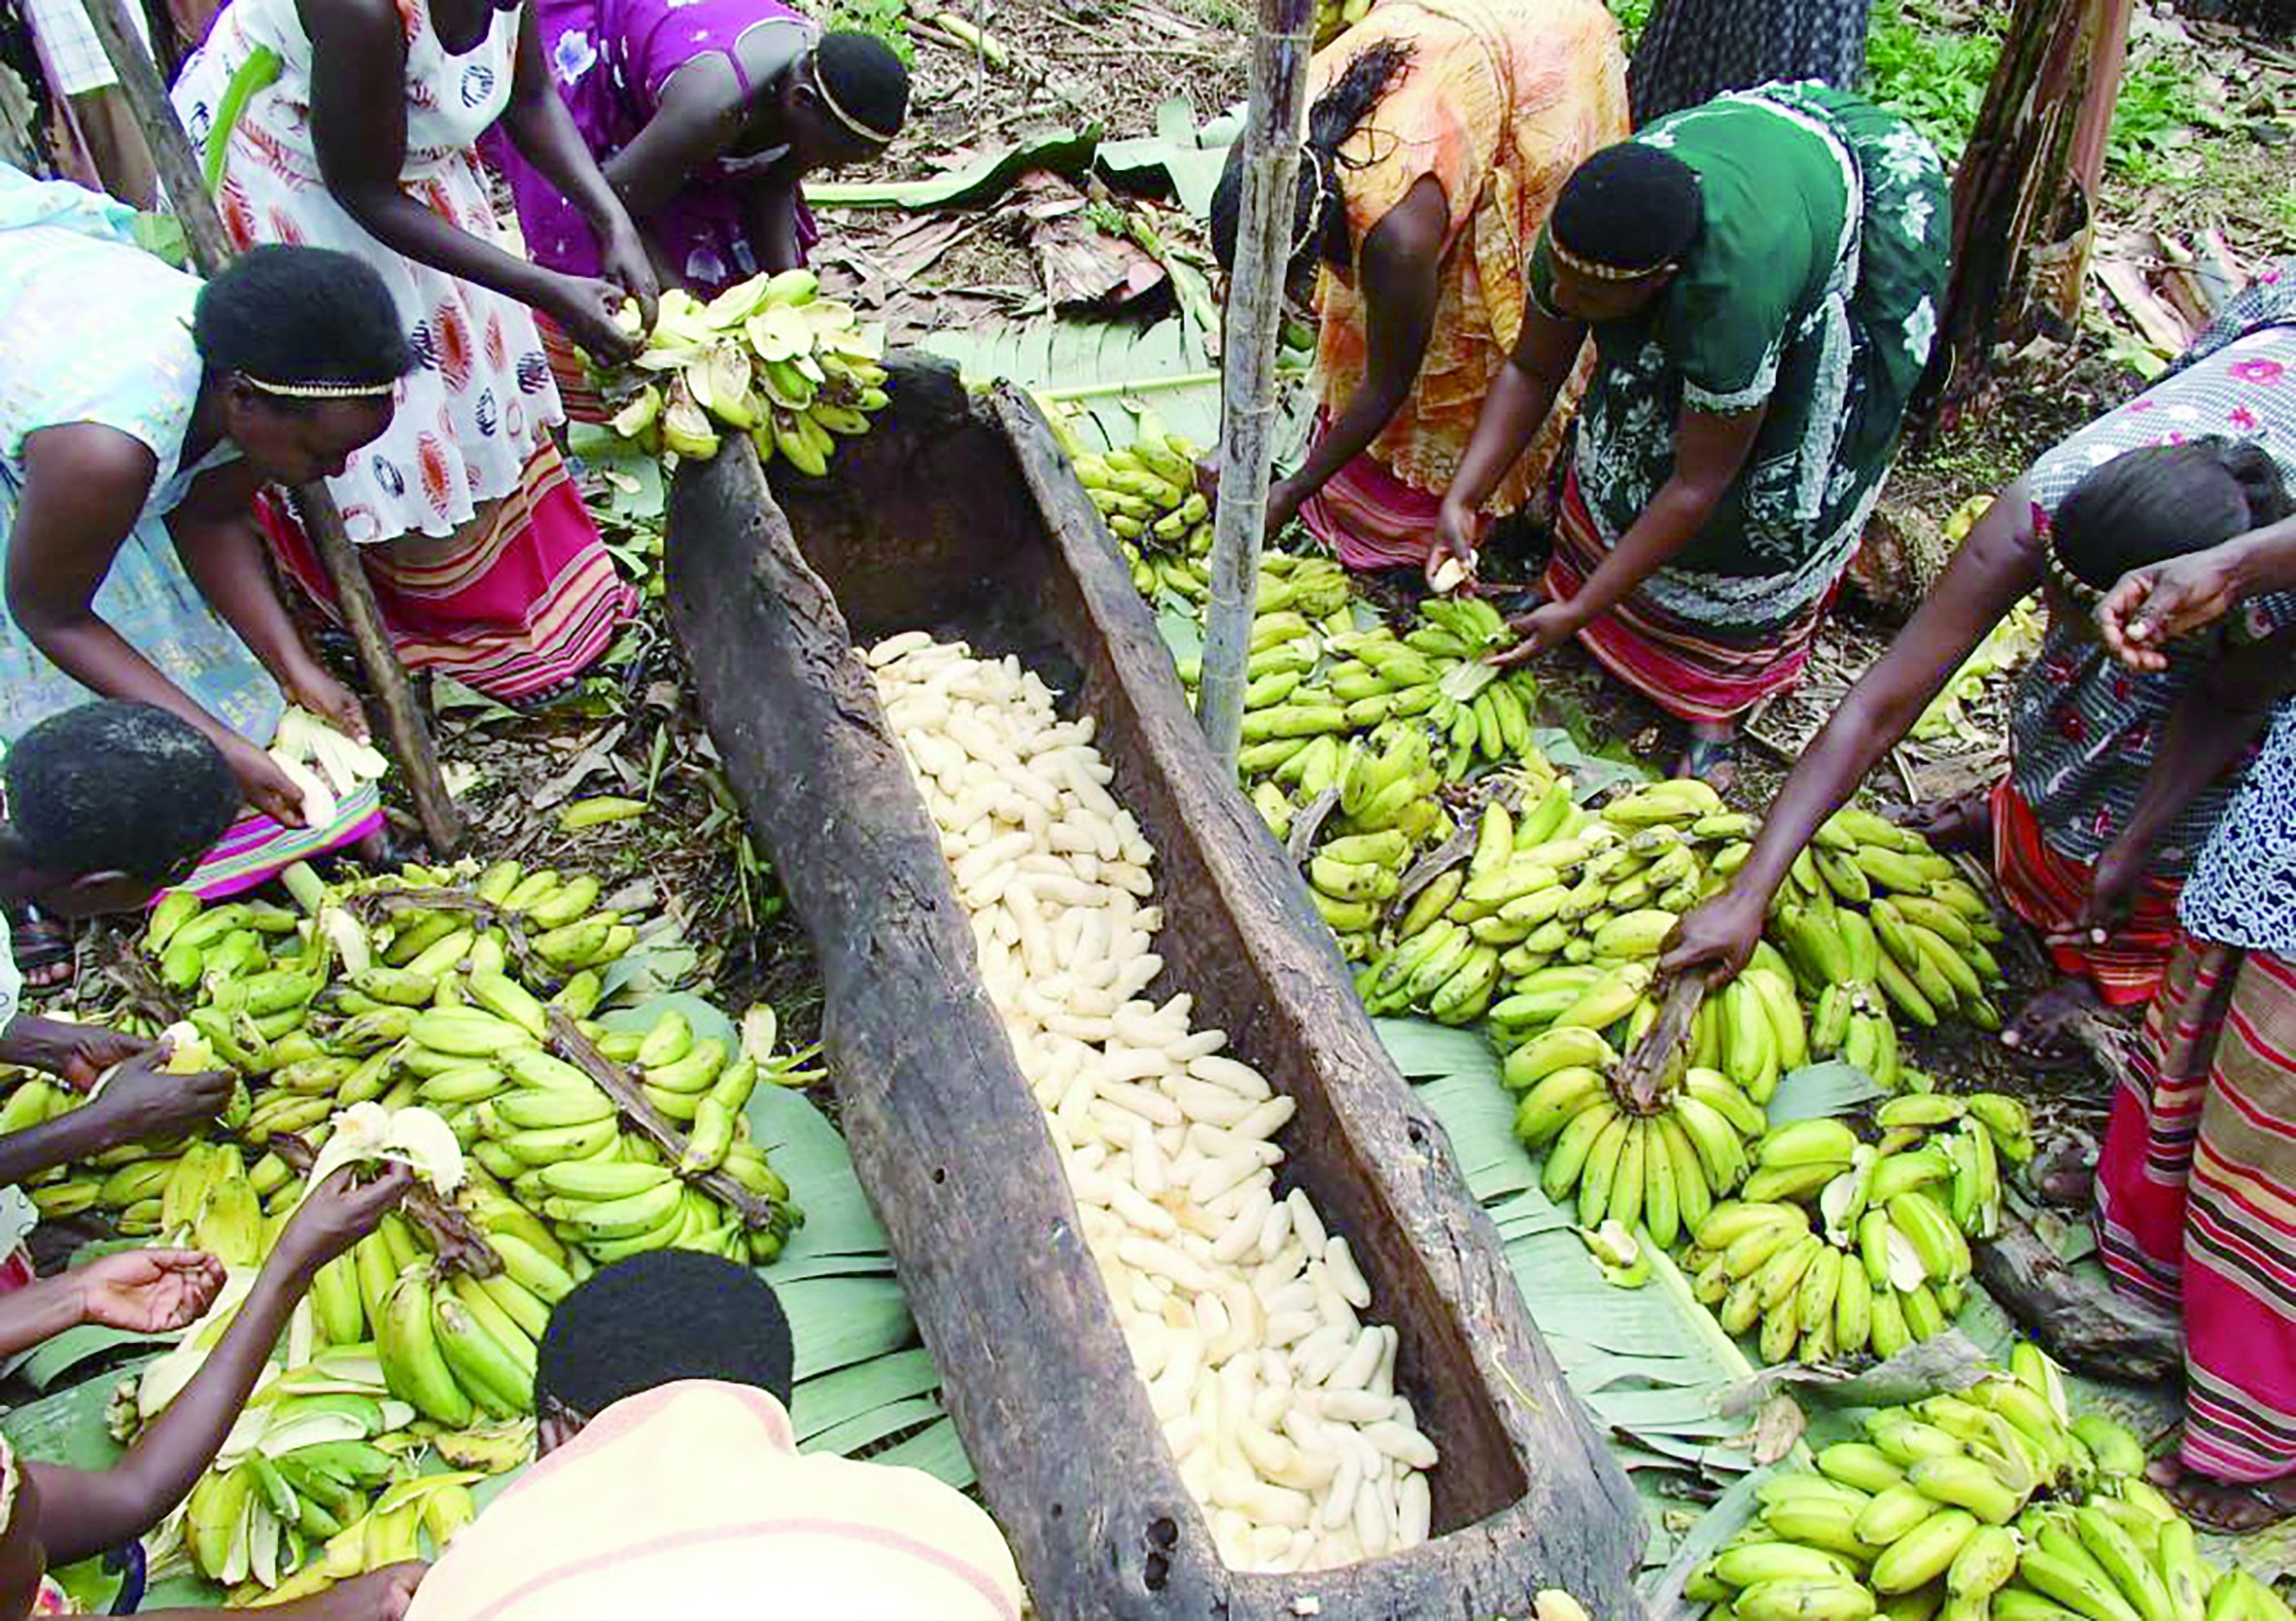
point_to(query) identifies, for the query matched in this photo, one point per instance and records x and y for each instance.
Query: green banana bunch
(1983, 1503)
(1334, 18)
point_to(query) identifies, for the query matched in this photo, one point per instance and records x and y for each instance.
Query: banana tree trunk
(2024, 198)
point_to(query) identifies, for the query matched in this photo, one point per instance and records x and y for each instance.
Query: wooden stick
(1247, 391)
(646, 1120)
(211, 249)
(459, 1242)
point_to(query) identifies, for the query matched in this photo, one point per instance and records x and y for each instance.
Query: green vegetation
(888, 20)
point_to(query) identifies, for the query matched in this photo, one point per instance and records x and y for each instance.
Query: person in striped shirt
(670, 1471)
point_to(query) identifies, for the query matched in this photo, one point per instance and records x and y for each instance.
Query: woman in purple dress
(705, 118)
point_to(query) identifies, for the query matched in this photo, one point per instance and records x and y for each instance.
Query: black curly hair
(1319, 216)
(1629, 207)
(865, 78)
(658, 1318)
(306, 316)
(114, 788)
(2161, 501)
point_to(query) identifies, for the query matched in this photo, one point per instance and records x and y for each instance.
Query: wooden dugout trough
(959, 515)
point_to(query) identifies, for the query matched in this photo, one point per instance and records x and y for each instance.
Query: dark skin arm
(2216, 719)
(1709, 453)
(359, 131)
(1399, 265)
(217, 542)
(139, 1105)
(1998, 563)
(383, 1595)
(771, 213)
(1521, 396)
(76, 1053)
(545, 135)
(85, 1511)
(2149, 607)
(85, 486)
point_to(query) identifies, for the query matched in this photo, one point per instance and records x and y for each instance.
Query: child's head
(2151, 505)
(108, 803)
(653, 1320)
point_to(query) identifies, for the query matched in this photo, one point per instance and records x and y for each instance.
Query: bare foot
(42, 946)
(1963, 823)
(1712, 756)
(2038, 1031)
(2223, 1506)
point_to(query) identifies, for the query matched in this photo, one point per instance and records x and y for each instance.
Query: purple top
(609, 59)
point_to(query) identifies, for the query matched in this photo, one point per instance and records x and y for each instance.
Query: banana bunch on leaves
(325, 765)
(1835, 1247)
(1872, 910)
(769, 356)
(1995, 1504)
(1147, 496)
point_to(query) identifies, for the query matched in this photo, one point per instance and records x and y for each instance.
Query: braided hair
(1319, 215)
(2161, 501)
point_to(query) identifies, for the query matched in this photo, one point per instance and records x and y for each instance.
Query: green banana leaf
(1067, 152)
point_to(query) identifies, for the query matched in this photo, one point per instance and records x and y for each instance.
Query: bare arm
(1996, 565)
(1708, 452)
(1520, 399)
(1400, 266)
(771, 212)
(85, 1511)
(216, 541)
(359, 131)
(697, 119)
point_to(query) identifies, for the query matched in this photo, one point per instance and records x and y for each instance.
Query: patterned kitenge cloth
(496, 574)
(1500, 101)
(1811, 292)
(99, 331)
(1692, 51)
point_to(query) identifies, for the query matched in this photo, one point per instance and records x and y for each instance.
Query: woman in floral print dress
(1760, 275)
(353, 124)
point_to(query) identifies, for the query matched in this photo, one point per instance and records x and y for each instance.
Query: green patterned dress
(1814, 290)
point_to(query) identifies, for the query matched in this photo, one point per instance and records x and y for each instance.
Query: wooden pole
(1278, 114)
(186, 191)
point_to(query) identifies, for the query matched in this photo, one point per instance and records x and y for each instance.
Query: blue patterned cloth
(2243, 889)
(99, 331)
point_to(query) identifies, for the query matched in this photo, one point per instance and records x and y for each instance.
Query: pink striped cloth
(693, 1498)
(2196, 1199)
(1372, 519)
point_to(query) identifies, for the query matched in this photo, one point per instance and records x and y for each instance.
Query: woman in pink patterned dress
(353, 124)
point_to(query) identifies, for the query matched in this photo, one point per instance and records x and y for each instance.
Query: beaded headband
(319, 391)
(2060, 576)
(1591, 271)
(876, 137)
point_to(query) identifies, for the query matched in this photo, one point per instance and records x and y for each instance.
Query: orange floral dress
(1500, 101)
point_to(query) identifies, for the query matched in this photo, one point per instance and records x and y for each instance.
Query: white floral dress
(482, 400)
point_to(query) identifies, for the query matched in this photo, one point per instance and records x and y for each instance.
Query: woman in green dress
(1761, 275)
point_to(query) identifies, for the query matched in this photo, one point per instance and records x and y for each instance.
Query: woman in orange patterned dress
(1439, 136)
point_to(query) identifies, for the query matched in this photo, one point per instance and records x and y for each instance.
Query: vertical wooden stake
(1278, 116)
(211, 249)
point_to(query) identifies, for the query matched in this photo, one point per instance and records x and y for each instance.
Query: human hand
(337, 1214)
(1284, 500)
(1719, 937)
(148, 1292)
(2149, 607)
(586, 307)
(77, 1054)
(384, 1595)
(1547, 626)
(263, 785)
(320, 693)
(626, 263)
(140, 1104)
(1453, 550)
(2112, 888)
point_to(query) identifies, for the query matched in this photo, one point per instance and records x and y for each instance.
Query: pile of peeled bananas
(448, 1018)
(1992, 1501)
(769, 356)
